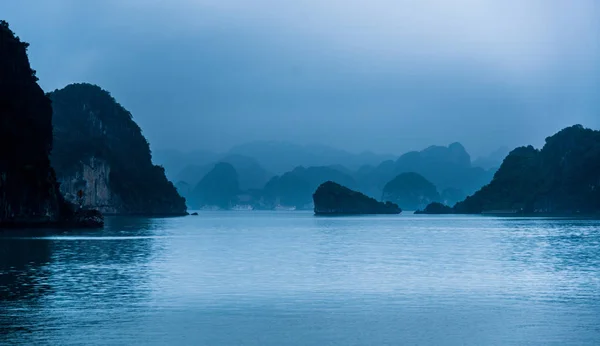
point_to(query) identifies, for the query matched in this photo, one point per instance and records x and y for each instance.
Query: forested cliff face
(101, 151)
(28, 188)
(562, 177)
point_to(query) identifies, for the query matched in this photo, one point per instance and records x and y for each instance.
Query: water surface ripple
(289, 278)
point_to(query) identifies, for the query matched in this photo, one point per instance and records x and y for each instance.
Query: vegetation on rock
(561, 178)
(90, 125)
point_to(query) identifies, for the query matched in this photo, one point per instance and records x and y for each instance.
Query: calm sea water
(261, 278)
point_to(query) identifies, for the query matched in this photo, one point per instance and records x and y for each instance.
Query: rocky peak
(100, 150)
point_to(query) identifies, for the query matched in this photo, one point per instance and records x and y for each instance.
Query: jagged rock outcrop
(102, 159)
(334, 199)
(29, 193)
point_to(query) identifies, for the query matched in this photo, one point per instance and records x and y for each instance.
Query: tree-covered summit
(561, 178)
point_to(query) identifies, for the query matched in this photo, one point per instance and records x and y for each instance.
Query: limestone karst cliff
(100, 151)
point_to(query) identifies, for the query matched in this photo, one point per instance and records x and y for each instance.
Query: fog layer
(381, 75)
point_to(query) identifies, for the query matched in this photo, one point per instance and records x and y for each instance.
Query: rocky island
(102, 159)
(562, 178)
(29, 192)
(331, 198)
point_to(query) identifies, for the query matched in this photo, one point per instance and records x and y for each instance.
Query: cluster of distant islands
(75, 154)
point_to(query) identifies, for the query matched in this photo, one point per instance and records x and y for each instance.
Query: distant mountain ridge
(174, 161)
(295, 188)
(280, 157)
(449, 168)
(492, 160)
(275, 157)
(218, 188)
(250, 173)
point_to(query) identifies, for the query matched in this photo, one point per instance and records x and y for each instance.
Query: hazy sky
(381, 75)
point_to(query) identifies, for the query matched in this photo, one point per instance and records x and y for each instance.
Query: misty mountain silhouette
(218, 187)
(411, 191)
(251, 174)
(281, 157)
(446, 167)
(493, 160)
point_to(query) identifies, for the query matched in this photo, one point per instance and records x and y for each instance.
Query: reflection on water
(289, 278)
(47, 271)
(23, 280)
(22, 265)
